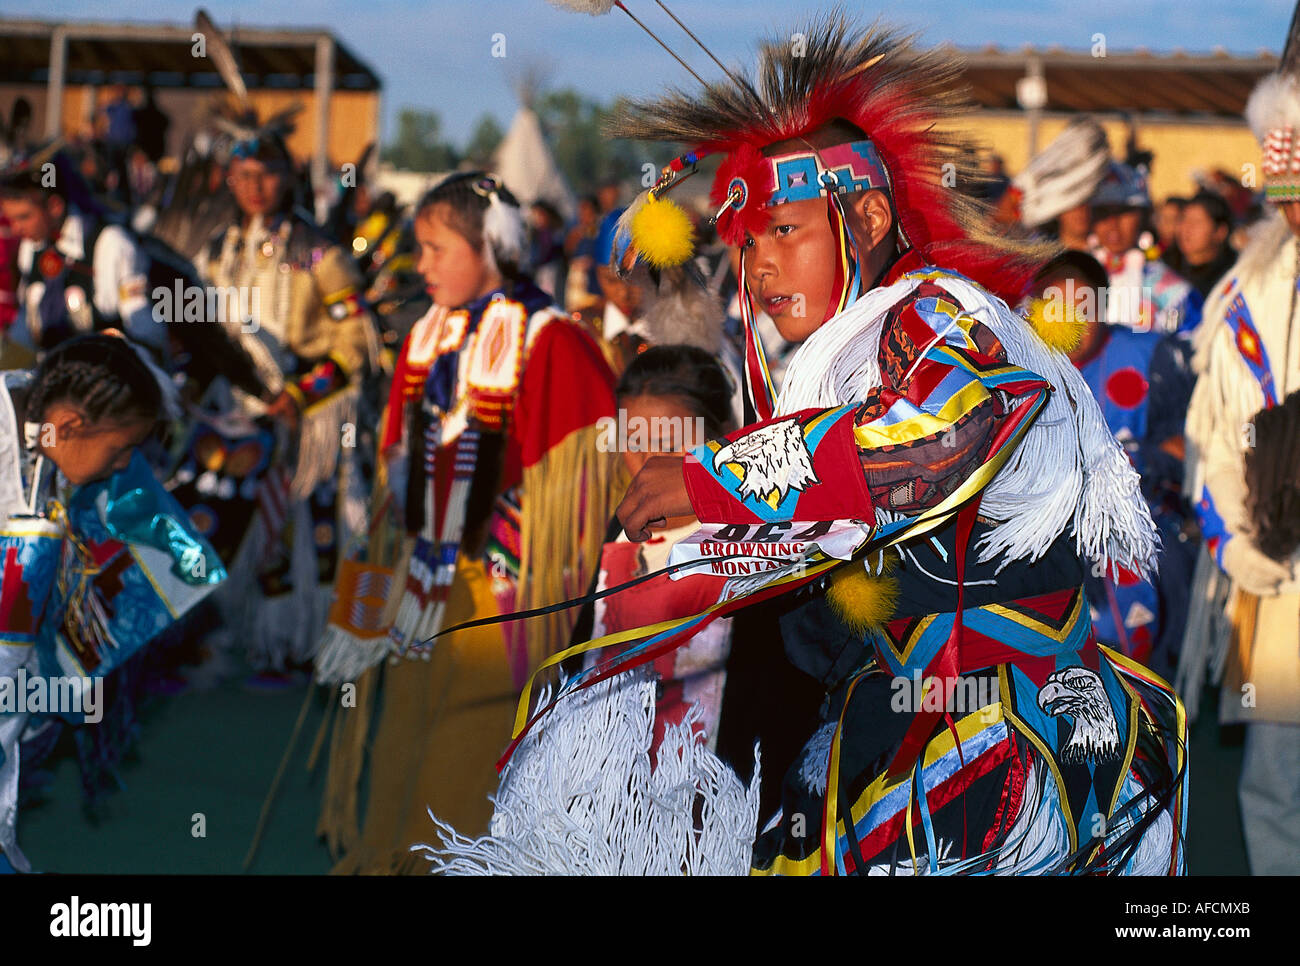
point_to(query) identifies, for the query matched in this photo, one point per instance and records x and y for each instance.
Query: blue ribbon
(139, 511)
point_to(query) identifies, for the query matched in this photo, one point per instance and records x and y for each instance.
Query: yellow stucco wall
(354, 121)
(1180, 147)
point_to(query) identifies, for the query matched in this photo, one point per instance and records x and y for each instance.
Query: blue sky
(437, 54)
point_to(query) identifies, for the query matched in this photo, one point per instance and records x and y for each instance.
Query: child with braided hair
(495, 414)
(77, 502)
(96, 400)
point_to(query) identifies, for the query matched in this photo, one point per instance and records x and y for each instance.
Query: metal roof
(1179, 83)
(130, 53)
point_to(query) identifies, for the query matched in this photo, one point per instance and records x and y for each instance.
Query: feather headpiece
(1065, 173)
(246, 135)
(902, 99)
(1273, 113)
(249, 136)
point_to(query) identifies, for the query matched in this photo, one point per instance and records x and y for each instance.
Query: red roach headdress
(903, 99)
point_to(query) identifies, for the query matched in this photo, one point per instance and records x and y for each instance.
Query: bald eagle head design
(1078, 692)
(773, 460)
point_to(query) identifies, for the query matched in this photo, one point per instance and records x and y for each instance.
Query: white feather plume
(503, 231)
(1274, 103)
(680, 311)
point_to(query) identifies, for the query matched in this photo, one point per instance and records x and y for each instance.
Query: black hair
(99, 374)
(1215, 207)
(28, 183)
(688, 373)
(465, 196)
(1074, 263)
(386, 202)
(552, 213)
(267, 146)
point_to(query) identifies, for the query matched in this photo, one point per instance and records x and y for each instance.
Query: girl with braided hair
(96, 400)
(96, 559)
(491, 448)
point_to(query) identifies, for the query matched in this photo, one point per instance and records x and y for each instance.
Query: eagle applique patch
(771, 461)
(1078, 692)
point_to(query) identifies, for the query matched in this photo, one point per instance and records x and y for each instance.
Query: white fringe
(320, 440)
(345, 657)
(1068, 471)
(288, 626)
(1038, 838)
(1157, 843)
(1203, 638)
(580, 797)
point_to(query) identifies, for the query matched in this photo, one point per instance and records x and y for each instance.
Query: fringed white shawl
(580, 797)
(1226, 397)
(1069, 471)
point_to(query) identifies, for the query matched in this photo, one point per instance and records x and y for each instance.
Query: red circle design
(1127, 388)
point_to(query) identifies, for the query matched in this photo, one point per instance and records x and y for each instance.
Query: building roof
(131, 53)
(1212, 85)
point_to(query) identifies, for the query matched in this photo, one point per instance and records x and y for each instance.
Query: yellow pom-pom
(1058, 323)
(662, 233)
(862, 599)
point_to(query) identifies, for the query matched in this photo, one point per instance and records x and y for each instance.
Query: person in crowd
(151, 125)
(581, 291)
(609, 195)
(507, 495)
(1166, 227)
(623, 329)
(297, 312)
(118, 136)
(895, 428)
(1243, 436)
(671, 398)
(1204, 254)
(72, 494)
(546, 248)
(77, 272)
(1143, 294)
(1056, 185)
(1142, 382)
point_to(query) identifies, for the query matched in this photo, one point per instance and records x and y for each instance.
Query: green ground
(211, 752)
(215, 753)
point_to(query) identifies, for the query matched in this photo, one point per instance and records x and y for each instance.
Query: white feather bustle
(1065, 173)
